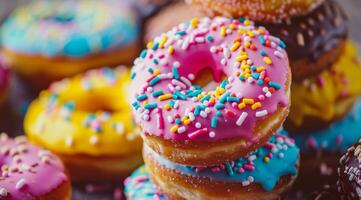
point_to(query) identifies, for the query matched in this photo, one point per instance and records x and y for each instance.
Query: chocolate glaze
(314, 34)
(349, 172)
(326, 193)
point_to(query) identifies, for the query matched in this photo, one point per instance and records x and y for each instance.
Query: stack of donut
(210, 97)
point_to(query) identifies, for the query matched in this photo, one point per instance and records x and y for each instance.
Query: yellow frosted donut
(329, 96)
(86, 120)
(257, 10)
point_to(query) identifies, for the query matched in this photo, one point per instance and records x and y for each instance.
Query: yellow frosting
(317, 97)
(88, 114)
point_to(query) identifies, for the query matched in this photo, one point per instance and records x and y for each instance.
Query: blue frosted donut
(337, 137)
(139, 186)
(70, 28)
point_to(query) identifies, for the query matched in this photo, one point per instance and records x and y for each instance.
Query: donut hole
(206, 79)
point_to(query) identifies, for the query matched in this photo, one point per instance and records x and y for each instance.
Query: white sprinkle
(252, 158)
(145, 117)
(241, 118)
(278, 54)
(250, 80)
(149, 89)
(191, 116)
(226, 53)
(164, 76)
(186, 81)
(3, 192)
(265, 89)
(245, 183)
(236, 65)
(281, 155)
(20, 184)
(250, 179)
(198, 125)
(212, 134)
(176, 64)
(199, 39)
(94, 140)
(261, 113)
(203, 114)
(213, 49)
(224, 61)
(176, 104)
(170, 119)
(181, 129)
(178, 83)
(191, 76)
(268, 94)
(69, 141)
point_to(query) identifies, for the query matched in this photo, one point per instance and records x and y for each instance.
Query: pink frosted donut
(30, 173)
(189, 124)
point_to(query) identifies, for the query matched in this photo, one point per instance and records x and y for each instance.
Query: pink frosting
(4, 74)
(27, 172)
(175, 58)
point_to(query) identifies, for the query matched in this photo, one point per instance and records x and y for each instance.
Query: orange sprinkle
(170, 49)
(150, 44)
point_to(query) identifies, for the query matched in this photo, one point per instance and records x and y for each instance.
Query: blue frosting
(267, 169)
(69, 28)
(338, 137)
(139, 186)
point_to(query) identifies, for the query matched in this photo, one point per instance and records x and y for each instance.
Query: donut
(87, 122)
(57, 39)
(147, 8)
(169, 17)
(4, 79)
(266, 173)
(321, 149)
(28, 172)
(349, 173)
(314, 41)
(318, 102)
(257, 10)
(326, 193)
(139, 186)
(189, 124)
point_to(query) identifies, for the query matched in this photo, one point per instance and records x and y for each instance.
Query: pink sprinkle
(311, 142)
(248, 167)
(240, 170)
(216, 169)
(261, 97)
(262, 75)
(160, 120)
(269, 145)
(197, 133)
(270, 154)
(199, 169)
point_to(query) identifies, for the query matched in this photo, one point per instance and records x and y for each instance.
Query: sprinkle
(175, 72)
(214, 122)
(157, 93)
(150, 106)
(256, 105)
(212, 134)
(142, 97)
(165, 97)
(171, 50)
(174, 128)
(274, 85)
(229, 169)
(197, 133)
(160, 120)
(235, 46)
(3, 192)
(241, 118)
(20, 184)
(181, 129)
(154, 81)
(267, 60)
(143, 54)
(179, 95)
(261, 113)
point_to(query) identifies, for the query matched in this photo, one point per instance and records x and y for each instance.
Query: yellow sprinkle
(150, 44)
(256, 105)
(250, 34)
(170, 49)
(194, 22)
(164, 40)
(212, 100)
(241, 105)
(174, 128)
(247, 22)
(247, 75)
(156, 72)
(247, 44)
(266, 159)
(241, 31)
(241, 57)
(165, 97)
(267, 60)
(200, 96)
(261, 30)
(232, 26)
(260, 69)
(145, 103)
(223, 31)
(167, 107)
(235, 46)
(248, 101)
(187, 122)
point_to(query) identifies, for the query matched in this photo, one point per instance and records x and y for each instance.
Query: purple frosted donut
(349, 172)
(28, 172)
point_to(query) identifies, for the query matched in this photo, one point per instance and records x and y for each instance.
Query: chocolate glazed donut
(314, 41)
(349, 172)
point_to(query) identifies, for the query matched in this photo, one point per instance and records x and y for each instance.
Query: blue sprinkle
(155, 46)
(142, 97)
(143, 54)
(253, 68)
(241, 19)
(274, 85)
(259, 82)
(202, 107)
(150, 106)
(255, 75)
(219, 114)
(157, 93)
(241, 77)
(229, 169)
(155, 61)
(135, 105)
(197, 110)
(261, 40)
(154, 81)
(214, 122)
(180, 95)
(195, 93)
(210, 38)
(219, 106)
(232, 99)
(132, 75)
(224, 97)
(178, 121)
(205, 98)
(175, 73)
(69, 105)
(181, 33)
(171, 103)
(282, 44)
(262, 53)
(223, 84)
(150, 70)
